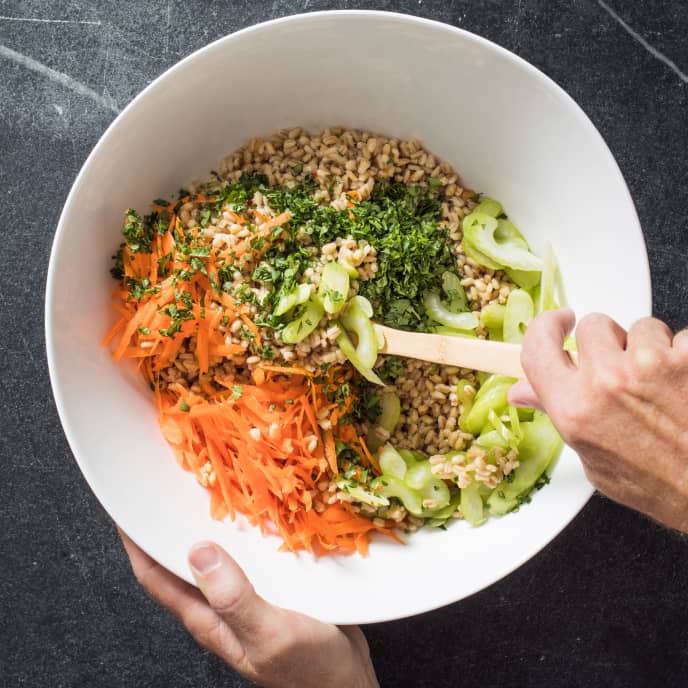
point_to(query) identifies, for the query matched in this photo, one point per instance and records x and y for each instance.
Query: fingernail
(204, 559)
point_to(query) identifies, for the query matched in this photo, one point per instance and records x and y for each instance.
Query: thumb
(522, 394)
(229, 592)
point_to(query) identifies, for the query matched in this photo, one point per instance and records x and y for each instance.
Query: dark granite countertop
(606, 604)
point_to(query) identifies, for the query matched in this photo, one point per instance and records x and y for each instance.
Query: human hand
(266, 644)
(623, 409)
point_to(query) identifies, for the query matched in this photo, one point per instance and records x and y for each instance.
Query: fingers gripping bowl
(545, 162)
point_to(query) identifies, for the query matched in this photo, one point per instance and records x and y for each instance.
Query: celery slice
(492, 395)
(547, 300)
(356, 319)
(525, 280)
(505, 249)
(438, 312)
(391, 462)
(539, 447)
(488, 206)
(350, 269)
(389, 486)
(490, 439)
(456, 295)
(411, 457)
(421, 478)
(472, 507)
(445, 512)
(334, 287)
(451, 332)
(466, 399)
(480, 258)
(295, 297)
(518, 314)
(361, 494)
(492, 317)
(390, 411)
(350, 351)
(298, 329)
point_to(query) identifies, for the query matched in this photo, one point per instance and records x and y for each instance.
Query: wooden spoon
(462, 352)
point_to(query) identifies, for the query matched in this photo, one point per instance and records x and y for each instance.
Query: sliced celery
(391, 462)
(436, 493)
(547, 300)
(488, 206)
(419, 475)
(466, 398)
(438, 312)
(297, 330)
(295, 297)
(539, 447)
(491, 438)
(350, 269)
(518, 314)
(491, 395)
(349, 350)
(389, 486)
(502, 430)
(361, 494)
(411, 457)
(356, 319)
(456, 295)
(390, 411)
(479, 258)
(525, 280)
(472, 507)
(363, 304)
(451, 332)
(334, 287)
(379, 335)
(446, 512)
(421, 478)
(492, 317)
(479, 231)
(515, 423)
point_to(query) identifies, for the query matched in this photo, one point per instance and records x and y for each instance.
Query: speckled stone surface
(606, 604)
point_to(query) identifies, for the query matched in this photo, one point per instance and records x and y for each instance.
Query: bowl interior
(507, 129)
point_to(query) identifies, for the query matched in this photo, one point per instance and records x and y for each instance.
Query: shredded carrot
(330, 451)
(252, 327)
(367, 453)
(258, 448)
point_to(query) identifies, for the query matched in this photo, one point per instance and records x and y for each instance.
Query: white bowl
(508, 129)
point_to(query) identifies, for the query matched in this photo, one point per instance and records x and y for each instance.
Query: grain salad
(249, 304)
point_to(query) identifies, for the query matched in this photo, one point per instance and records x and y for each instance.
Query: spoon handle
(477, 354)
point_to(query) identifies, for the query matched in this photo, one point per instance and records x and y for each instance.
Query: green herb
(205, 216)
(434, 184)
(117, 270)
(392, 367)
(144, 330)
(139, 288)
(177, 316)
(266, 351)
(138, 232)
(184, 406)
(237, 391)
